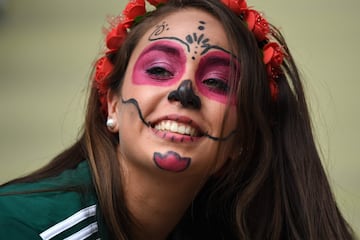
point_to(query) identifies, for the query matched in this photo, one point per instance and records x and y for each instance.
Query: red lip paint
(171, 161)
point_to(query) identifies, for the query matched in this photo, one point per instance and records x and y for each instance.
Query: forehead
(197, 31)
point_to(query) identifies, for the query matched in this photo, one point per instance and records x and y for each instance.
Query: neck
(157, 199)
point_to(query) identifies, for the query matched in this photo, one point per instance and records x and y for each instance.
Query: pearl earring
(110, 123)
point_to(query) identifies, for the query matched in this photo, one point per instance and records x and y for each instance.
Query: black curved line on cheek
(221, 139)
(136, 104)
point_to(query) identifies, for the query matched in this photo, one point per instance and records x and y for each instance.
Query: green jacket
(62, 207)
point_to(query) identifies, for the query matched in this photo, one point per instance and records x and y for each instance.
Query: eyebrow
(219, 60)
(164, 47)
(222, 59)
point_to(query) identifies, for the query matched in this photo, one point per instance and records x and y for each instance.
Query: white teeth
(176, 127)
(181, 129)
(173, 127)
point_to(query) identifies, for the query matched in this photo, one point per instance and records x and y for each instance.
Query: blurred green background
(47, 49)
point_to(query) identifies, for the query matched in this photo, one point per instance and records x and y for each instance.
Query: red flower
(237, 6)
(133, 9)
(116, 37)
(257, 24)
(273, 58)
(157, 2)
(273, 54)
(103, 69)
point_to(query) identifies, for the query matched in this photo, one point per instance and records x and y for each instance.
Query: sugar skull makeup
(178, 84)
(164, 62)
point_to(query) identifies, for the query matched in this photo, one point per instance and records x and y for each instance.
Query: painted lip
(174, 136)
(171, 161)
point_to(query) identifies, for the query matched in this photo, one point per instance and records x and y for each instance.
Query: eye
(216, 85)
(159, 73)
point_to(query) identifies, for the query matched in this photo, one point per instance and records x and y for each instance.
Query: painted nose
(185, 95)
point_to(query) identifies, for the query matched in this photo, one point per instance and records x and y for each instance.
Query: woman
(196, 128)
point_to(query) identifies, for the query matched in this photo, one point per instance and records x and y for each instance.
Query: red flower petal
(250, 19)
(132, 10)
(273, 54)
(257, 24)
(157, 2)
(268, 53)
(116, 37)
(237, 6)
(102, 70)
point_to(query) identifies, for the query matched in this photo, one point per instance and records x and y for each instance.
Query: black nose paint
(185, 95)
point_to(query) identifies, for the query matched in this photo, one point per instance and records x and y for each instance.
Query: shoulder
(48, 208)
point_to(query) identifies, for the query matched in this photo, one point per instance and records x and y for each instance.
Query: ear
(113, 101)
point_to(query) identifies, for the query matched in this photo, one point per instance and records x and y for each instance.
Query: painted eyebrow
(163, 47)
(223, 61)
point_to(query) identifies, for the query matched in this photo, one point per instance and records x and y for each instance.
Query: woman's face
(170, 113)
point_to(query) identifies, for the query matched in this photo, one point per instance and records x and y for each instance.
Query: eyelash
(216, 85)
(159, 73)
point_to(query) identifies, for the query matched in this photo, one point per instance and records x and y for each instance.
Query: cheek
(147, 97)
(227, 147)
(223, 116)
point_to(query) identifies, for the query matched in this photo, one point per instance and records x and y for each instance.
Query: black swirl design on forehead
(195, 42)
(159, 29)
(199, 40)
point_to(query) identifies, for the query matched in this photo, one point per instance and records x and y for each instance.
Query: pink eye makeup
(162, 63)
(213, 76)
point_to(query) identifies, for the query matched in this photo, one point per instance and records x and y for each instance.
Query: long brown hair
(275, 188)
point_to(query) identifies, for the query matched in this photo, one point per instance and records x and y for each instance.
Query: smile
(175, 134)
(177, 129)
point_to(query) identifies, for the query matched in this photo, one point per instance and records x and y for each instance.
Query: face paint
(156, 135)
(214, 68)
(171, 161)
(213, 76)
(163, 63)
(195, 42)
(222, 139)
(185, 95)
(136, 104)
(160, 64)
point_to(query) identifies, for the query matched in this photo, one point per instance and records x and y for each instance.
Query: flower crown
(273, 53)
